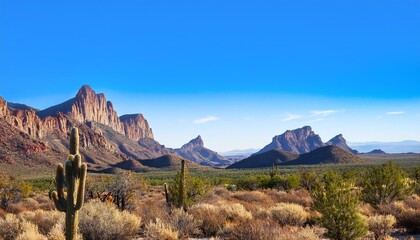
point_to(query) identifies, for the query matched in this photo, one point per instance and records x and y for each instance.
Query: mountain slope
(196, 152)
(171, 162)
(266, 159)
(324, 155)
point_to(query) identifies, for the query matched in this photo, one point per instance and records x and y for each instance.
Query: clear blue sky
(236, 72)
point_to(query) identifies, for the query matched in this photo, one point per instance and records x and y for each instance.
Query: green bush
(336, 200)
(12, 190)
(385, 184)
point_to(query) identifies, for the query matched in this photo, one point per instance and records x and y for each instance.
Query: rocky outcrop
(196, 152)
(340, 142)
(88, 106)
(301, 140)
(136, 127)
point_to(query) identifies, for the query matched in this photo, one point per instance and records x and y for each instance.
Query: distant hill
(196, 152)
(376, 151)
(171, 162)
(18, 106)
(324, 155)
(265, 159)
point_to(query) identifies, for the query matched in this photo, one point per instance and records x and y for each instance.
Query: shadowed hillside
(266, 159)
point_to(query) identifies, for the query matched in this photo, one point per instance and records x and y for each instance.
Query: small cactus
(72, 177)
(182, 189)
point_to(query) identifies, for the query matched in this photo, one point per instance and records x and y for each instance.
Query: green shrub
(385, 184)
(335, 199)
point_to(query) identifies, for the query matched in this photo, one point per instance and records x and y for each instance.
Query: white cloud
(290, 116)
(394, 113)
(205, 119)
(323, 113)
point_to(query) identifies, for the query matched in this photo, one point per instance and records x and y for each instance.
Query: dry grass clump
(160, 231)
(44, 202)
(412, 202)
(297, 233)
(30, 204)
(234, 211)
(57, 233)
(104, 221)
(10, 227)
(366, 209)
(289, 214)
(45, 220)
(394, 208)
(251, 229)
(210, 218)
(300, 196)
(255, 197)
(185, 224)
(381, 224)
(262, 213)
(30, 232)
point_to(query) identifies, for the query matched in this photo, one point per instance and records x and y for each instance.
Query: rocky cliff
(136, 127)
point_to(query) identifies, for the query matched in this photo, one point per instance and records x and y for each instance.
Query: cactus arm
(74, 141)
(81, 189)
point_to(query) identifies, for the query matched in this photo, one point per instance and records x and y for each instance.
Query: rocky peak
(340, 142)
(136, 126)
(196, 142)
(86, 92)
(300, 140)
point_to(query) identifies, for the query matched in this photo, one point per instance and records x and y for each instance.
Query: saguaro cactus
(74, 173)
(182, 189)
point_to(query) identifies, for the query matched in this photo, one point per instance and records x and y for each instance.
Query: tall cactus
(182, 189)
(74, 174)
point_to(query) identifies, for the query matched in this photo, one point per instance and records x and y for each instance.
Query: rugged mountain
(105, 139)
(341, 142)
(172, 161)
(301, 140)
(324, 155)
(196, 152)
(265, 159)
(18, 106)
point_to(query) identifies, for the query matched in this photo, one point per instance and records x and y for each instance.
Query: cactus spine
(72, 177)
(182, 189)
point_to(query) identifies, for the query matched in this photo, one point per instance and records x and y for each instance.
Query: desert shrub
(410, 220)
(385, 184)
(158, 230)
(45, 220)
(308, 179)
(104, 221)
(289, 214)
(30, 204)
(57, 233)
(412, 201)
(234, 211)
(395, 208)
(211, 221)
(300, 196)
(367, 209)
(381, 224)
(417, 180)
(150, 210)
(10, 227)
(262, 213)
(335, 199)
(30, 232)
(12, 190)
(185, 223)
(253, 197)
(251, 229)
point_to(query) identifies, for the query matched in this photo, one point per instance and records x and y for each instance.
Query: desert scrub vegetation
(380, 225)
(160, 230)
(289, 214)
(338, 203)
(99, 220)
(12, 190)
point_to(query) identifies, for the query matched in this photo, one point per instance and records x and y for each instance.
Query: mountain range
(32, 137)
(303, 140)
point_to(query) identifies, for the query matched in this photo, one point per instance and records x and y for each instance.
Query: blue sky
(236, 72)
